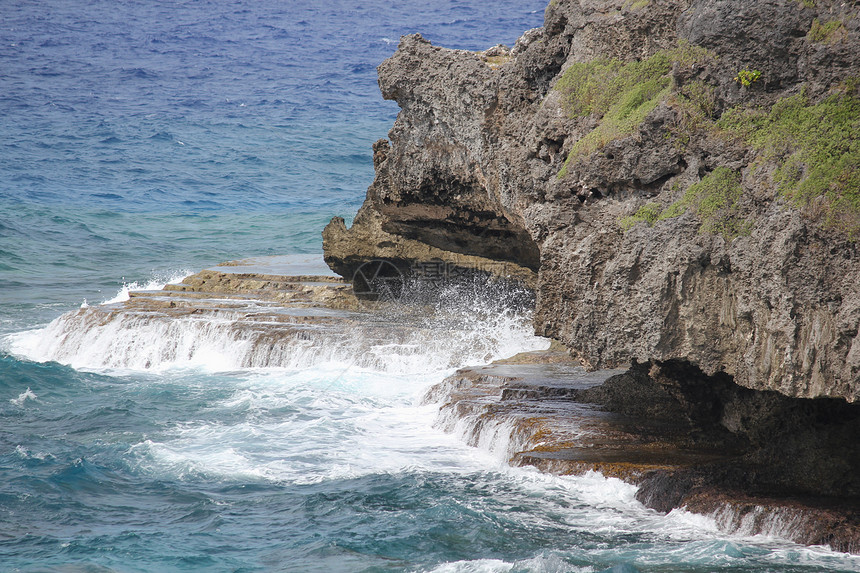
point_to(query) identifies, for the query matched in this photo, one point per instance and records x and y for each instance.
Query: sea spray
(154, 283)
(435, 329)
(23, 397)
(327, 416)
(335, 466)
(500, 435)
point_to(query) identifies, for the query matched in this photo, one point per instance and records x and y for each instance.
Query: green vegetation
(816, 152)
(816, 149)
(808, 3)
(825, 33)
(620, 94)
(635, 4)
(695, 104)
(747, 77)
(715, 200)
(647, 213)
(701, 96)
(812, 148)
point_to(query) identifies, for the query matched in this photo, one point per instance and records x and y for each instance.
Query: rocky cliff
(679, 184)
(678, 181)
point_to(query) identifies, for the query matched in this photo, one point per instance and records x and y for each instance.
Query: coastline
(654, 173)
(538, 408)
(556, 419)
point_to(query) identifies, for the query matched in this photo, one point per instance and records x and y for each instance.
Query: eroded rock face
(431, 199)
(484, 169)
(777, 310)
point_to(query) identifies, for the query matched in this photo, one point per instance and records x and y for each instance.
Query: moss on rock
(827, 32)
(648, 214)
(816, 151)
(620, 94)
(715, 200)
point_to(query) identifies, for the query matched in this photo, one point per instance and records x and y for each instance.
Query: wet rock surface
(544, 411)
(272, 312)
(244, 315)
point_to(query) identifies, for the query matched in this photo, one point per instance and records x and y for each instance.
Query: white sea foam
(498, 436)
(311, 426)
(23, 397)
(88, 338)
(462, 331)
(327, 424)
(26, 454)
(330, 406)
(540, 564)
(155, 283)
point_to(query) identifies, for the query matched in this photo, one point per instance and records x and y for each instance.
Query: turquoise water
(142, 142)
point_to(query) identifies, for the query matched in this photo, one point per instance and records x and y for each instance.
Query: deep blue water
(144, 140)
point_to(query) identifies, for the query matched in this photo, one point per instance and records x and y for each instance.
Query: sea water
(142, 141)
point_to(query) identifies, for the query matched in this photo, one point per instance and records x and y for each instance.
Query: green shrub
(619, 94)
(747, 77)
(702, 96)
(647, 213)
(816, 150)
(824, 33)
(635, 4)
(715, 200)
(695, 107)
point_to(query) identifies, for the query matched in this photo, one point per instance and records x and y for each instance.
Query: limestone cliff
(679, 181)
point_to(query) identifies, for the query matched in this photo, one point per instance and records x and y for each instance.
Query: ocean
(143, 141)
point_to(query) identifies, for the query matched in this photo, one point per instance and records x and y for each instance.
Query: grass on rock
(816, 150)
(619, 94)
